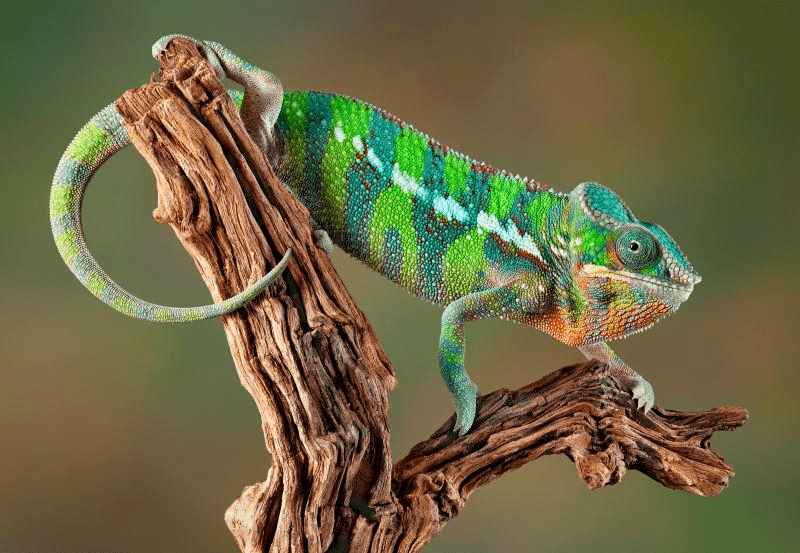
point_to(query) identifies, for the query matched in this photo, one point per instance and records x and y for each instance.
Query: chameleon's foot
(263, 93)
(208, 52)
(640, 388)
(323, 241)
(466, 402)
(642, 392)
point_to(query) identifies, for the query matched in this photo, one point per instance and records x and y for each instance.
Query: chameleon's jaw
(637, 290)
(683, 287)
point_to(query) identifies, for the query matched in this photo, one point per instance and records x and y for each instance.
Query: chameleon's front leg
(641, 388)
(479, 305)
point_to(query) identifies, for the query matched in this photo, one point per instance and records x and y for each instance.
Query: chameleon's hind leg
(479, 305)
(263, 92)
(263, 96)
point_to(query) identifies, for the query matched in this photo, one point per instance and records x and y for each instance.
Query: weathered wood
(320, 379)
(585, 413)
(303, 350)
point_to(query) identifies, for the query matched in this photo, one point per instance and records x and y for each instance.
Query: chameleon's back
(425, 216)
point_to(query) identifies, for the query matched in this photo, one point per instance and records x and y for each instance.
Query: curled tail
(103, 136)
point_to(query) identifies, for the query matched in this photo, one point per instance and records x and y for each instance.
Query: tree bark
(320, 378)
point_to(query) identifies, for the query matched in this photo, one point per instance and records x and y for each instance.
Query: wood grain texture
(320, 379)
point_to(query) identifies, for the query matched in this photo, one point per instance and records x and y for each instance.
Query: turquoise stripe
(84, 265)
(319, 115)
(366, 181)
(71, 171)
(66, 222)
(111, 123)
(437, 230)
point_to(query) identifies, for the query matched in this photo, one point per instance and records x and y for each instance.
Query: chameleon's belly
(409, 207)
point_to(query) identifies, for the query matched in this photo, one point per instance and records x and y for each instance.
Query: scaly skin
(480, 241)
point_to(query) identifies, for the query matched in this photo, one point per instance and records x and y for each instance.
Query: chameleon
(479, 241)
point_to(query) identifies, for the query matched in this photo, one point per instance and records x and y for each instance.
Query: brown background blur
(122, 436)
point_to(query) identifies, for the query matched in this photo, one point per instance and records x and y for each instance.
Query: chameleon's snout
(685, 276)
(685, 286)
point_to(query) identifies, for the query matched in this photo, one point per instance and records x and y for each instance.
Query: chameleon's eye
(636, 247)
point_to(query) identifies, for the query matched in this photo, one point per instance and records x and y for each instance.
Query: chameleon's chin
(677, 295)
(683, 293)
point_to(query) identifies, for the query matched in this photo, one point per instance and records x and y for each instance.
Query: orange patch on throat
(652, 312)
(631, 319)
(616, 322)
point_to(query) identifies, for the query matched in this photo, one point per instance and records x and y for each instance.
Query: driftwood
(320, 379)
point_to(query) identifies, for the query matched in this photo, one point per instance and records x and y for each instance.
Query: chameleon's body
(453, 231)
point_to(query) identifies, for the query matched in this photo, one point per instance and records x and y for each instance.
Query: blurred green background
(118, 435)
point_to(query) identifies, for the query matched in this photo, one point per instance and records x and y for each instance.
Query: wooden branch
(320, 379)
(303, 350)
(583, 412)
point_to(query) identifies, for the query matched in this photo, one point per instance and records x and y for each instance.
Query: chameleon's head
(629, 273)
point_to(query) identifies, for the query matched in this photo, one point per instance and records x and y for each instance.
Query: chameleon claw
(207, 51)
(643, 393)
(161, 44)
(640, 388)
(466, 405)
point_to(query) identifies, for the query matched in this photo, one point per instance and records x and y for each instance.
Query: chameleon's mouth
(627, 276)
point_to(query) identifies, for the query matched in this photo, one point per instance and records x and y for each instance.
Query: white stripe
(408, 183)
(339, 134)
(373, 159)
(510, 233)
(449, 208)
(560, 252)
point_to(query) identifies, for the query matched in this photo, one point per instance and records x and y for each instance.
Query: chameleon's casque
(451, 230)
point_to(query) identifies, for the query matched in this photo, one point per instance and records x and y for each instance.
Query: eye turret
(635, 247)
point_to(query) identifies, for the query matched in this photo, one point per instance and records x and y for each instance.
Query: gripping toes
(263, 93)
(206, 50)
(466, 403)
(643, 393)
(162, 43)
(640, 388)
